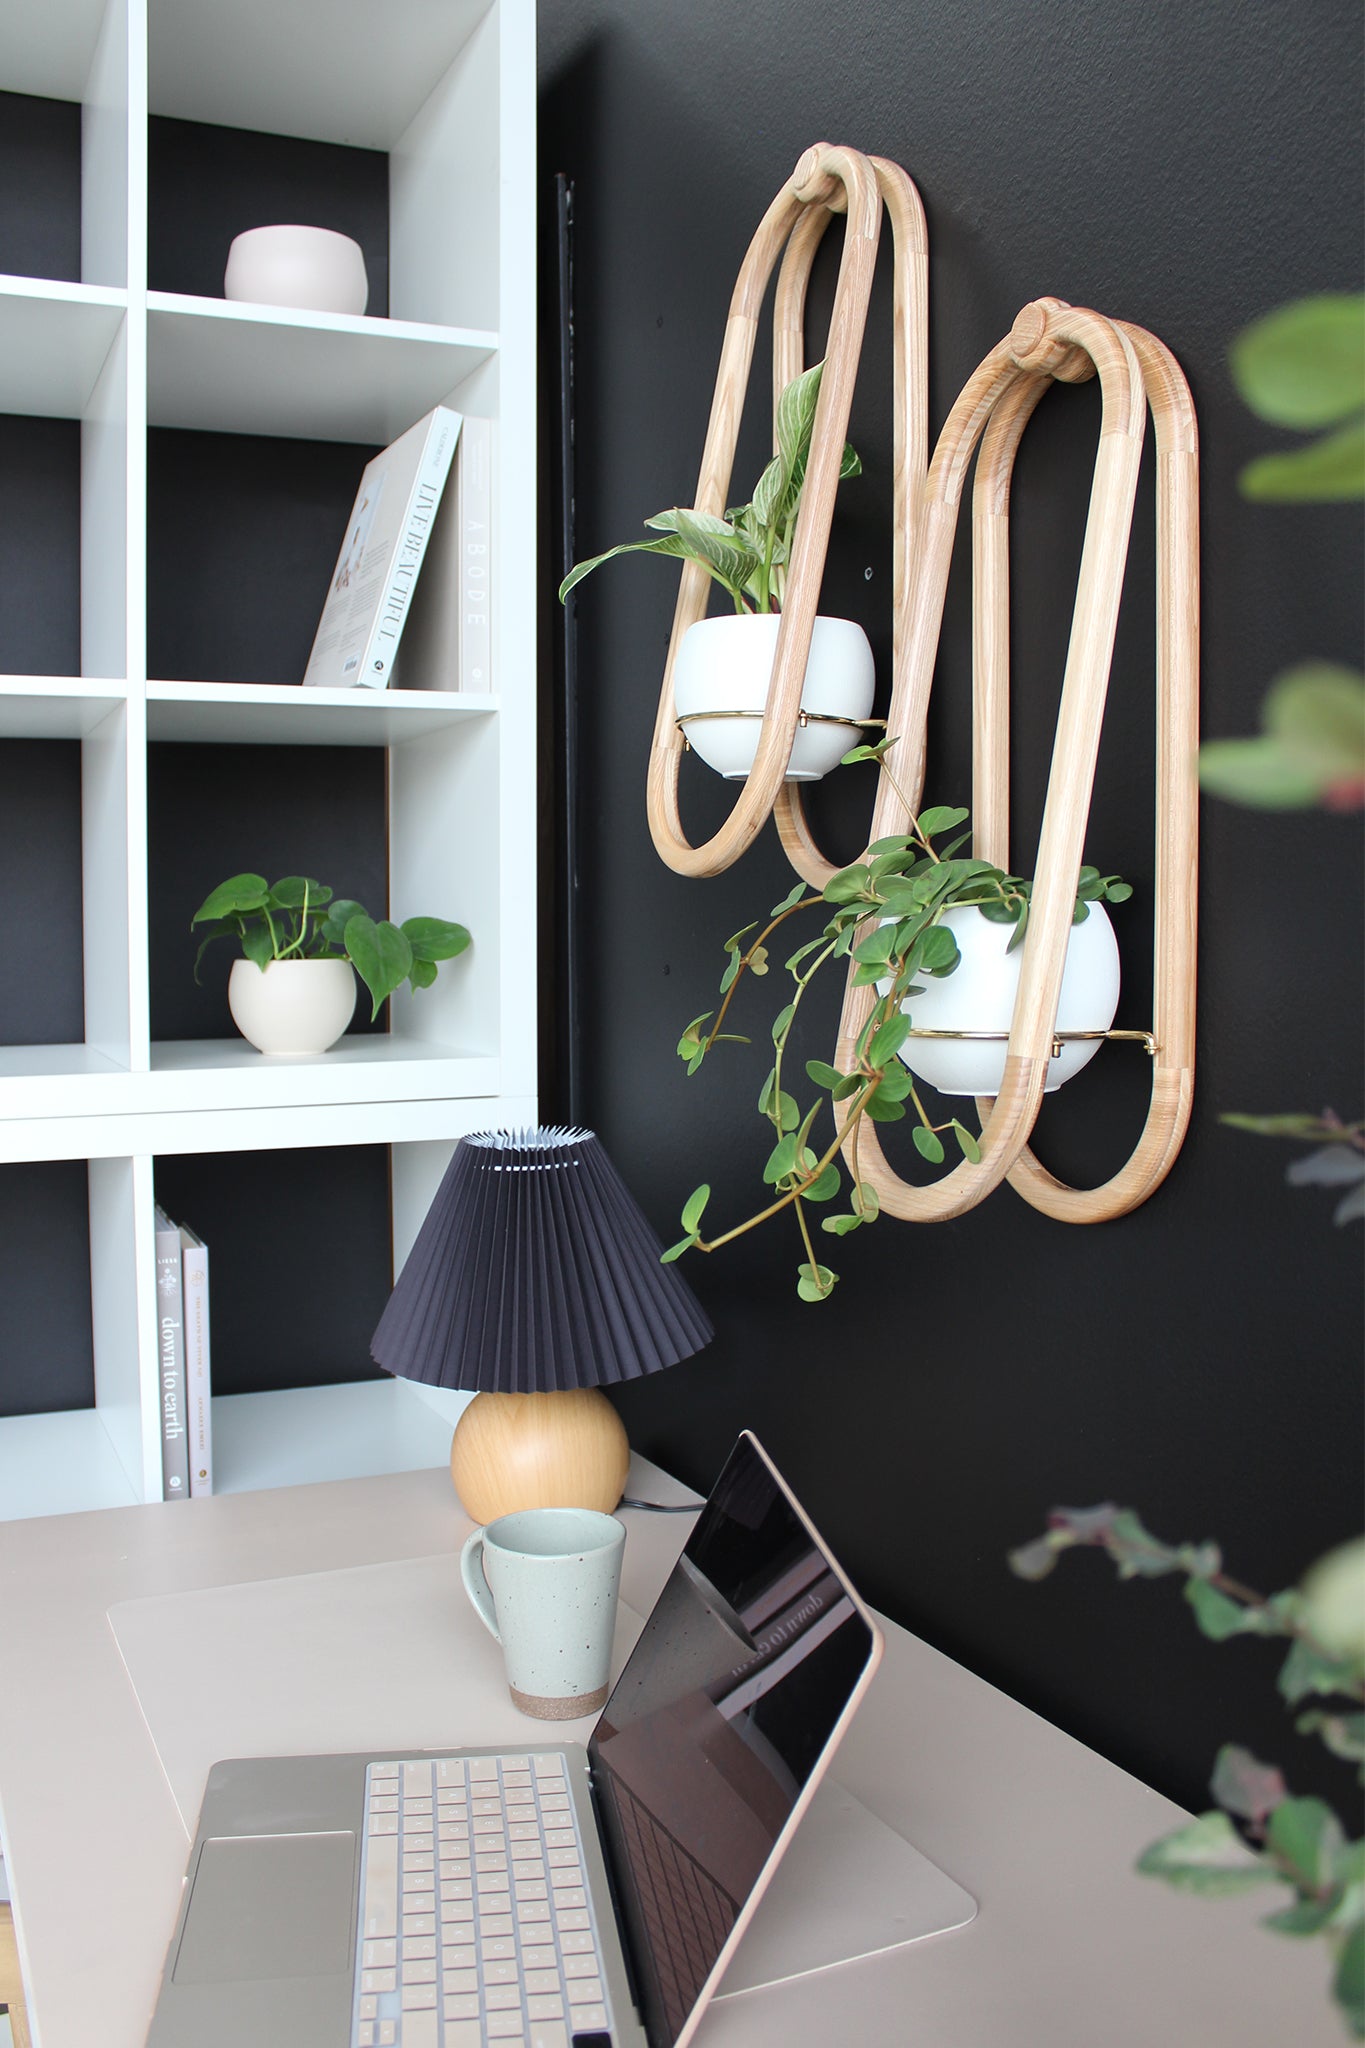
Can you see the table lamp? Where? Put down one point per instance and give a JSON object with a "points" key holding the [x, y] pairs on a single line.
{"points": [[534, 1282]]}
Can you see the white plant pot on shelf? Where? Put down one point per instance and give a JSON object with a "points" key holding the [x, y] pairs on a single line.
{"points": [[720, 685], [297, 1006], [314, 269], [979, 996]]}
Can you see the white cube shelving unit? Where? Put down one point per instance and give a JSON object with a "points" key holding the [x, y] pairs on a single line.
{"points": [[449, 93]]}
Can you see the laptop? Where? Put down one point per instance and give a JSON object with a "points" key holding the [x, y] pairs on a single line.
{"points": [[554, 1896]]}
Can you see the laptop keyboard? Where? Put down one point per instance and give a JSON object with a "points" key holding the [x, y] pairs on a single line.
{"points": [[475, 1925]]}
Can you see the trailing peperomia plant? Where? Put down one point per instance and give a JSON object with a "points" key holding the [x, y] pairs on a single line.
{"points": [[747, 551], [886, 911], [1302, 366], [299, 919], [1259, 1834]]}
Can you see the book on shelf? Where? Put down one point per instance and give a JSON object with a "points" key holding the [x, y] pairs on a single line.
{"points": [[194, 1268], [381, 554], [448, 642], [170, 1347]]}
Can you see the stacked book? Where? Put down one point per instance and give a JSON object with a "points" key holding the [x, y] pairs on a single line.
{"points": [[414, 566], [182, 1336]]}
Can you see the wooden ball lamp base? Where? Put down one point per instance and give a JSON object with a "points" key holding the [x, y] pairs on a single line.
{"points": [[558, 1450]]}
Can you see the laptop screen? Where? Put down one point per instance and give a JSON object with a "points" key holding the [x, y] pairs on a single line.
{"points": [[718, 1720]]}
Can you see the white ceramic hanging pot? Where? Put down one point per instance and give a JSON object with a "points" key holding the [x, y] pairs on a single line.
{"points": [[293, 1006], [315, 269], [720, 685], [979, 996]]}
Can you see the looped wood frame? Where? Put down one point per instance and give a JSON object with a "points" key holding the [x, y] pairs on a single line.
{"points": [[1050, 340], [827, 180]]}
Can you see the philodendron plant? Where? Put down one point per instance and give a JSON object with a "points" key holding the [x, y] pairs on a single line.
{"points": [[1259, 1834], [747, 551], [885, 911], [299, 919]]}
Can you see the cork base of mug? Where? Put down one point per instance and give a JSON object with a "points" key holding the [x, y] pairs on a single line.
{"points": [[572, 1708]]}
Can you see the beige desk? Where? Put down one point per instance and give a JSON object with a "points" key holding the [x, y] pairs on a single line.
{"points": [[1069, 1949]]}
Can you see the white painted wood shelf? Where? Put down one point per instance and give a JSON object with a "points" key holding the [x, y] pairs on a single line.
{"points": [[448, 92]]}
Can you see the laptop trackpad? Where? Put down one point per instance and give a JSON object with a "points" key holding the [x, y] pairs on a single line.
{"points": [[268, 1906]]}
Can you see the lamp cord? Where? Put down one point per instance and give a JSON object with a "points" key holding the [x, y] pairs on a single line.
{"points": [[660, 1507]]}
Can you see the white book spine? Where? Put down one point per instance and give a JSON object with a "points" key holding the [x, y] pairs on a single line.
{"points": [[198, 1381], [170, 1344], [474, 484]]}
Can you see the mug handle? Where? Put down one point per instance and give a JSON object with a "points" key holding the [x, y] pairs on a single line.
{"points": [[476, 1583]]}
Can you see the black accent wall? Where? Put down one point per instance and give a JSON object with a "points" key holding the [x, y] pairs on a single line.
{"points": [[1186, 167]]}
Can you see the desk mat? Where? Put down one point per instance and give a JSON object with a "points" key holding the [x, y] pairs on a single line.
{"points": [[392, 1656]]}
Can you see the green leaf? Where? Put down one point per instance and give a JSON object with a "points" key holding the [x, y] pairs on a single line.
{"points": [[422, 973], [1256, 773], [866, 1202], [1308, 1838], [694, 1206], [1207, 1856], [238, 893], [895, 1084], [796, 417], [675, 1251], [1306, 1916], [967, 1142], [929, 1144], [1348, 1985], [1303, 365], [380, 955], [782, 1022], [781, 1160], [848, 885], [786, 1111], [434, 938], [339, 914], [1305, 1670], [690, 1041], [670, 544], [1218, 1616], [887, 1041], [941, 818], [1330, 471], [1343, 1734], [876, 948], [883, 1109], [790, 901], [815, 1283], [292, 891], [938, 953], [1243, 1785], [825, 1186], [225, 928], [823, 1075], [257, 944], [840, 1226]]}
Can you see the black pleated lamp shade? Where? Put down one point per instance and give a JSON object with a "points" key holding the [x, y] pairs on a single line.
{"points": [[536, 1271]]}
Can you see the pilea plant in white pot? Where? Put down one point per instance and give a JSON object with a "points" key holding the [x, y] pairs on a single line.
{"points": [[912, 913], [293, 991], [721, 676]]}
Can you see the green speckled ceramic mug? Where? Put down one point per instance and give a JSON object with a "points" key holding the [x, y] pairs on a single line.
{"points": [[544, 1584]]}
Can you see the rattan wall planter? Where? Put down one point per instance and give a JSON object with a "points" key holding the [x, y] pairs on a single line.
{"points": [[1050, 342]]}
